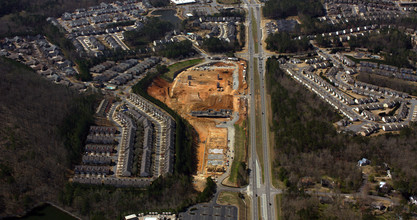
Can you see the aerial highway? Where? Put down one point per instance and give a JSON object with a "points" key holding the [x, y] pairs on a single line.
{"points": [[252, 130], [257, 188]]}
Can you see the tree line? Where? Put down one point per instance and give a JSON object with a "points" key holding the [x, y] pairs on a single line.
{"points": [[185, 159], [283, 42], [307, 145], [45, 8], [216, 45], [388, 82], [277, 9], [177, 50], [393, 44], [75, 126], [153, 29], [34, 159], [43, 135], [159, 3]]}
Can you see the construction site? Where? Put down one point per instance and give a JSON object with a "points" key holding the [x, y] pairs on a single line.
{"points": [[212, 98]]}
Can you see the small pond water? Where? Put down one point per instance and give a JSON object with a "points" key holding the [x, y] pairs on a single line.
{"points": [[45, 212]]}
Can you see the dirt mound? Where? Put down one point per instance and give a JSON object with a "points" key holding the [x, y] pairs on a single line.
{"points": [[215, 102], [159, 89]]}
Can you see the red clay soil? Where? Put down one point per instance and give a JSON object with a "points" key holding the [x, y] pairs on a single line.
{"points": [[196, 89]]}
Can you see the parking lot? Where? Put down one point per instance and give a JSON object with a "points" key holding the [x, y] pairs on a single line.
{"points": [[210, 211]]}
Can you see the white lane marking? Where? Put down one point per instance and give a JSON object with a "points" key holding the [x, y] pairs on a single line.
{"points": [[258, 175]]}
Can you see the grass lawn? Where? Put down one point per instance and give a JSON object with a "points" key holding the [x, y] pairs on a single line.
{"points": [[174, 69], [275, 181], [254, 32], [259, 208], [259, 146], [278, 200], [240, 151], [232, 198]]}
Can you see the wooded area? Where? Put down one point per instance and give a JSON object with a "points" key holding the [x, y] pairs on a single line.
{"points": [[297, 205], [57, 37], [389, 82], [216, 45], [308, 146], [34, 159], [36, 8], [44, 127], [177, 50], [159, 3], [276, 9], [154, 29], [284, 43], [185, 162], [172, 193], [393, 44]]}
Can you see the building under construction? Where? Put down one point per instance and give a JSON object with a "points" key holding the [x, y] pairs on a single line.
{"points": [[210, 113]]}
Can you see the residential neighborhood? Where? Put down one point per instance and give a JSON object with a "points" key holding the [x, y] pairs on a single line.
{"points": [[43, 57], [203, 109], [363, 104], [111, 153]]}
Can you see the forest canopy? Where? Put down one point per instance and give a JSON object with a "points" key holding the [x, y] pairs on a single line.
{"points": [[276, 9], [216, 45], [177, 50], [34, 160], [41, 119], [301, 154], [284, 43], [393, 44], [154, 29]]}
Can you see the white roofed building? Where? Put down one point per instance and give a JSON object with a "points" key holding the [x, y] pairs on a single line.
{"points": [[182, 2]]}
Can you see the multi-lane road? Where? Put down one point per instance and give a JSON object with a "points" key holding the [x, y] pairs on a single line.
{"points": [[257, 188], [260, 187]]}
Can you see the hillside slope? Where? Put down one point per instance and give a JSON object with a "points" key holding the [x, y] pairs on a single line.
{"points": [[33, 158]]}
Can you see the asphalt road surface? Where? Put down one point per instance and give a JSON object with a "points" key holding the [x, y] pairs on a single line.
{"points": [[263, 190], [252, 130]]}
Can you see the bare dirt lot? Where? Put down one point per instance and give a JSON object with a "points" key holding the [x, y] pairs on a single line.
{"points": [[214, 86]]}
